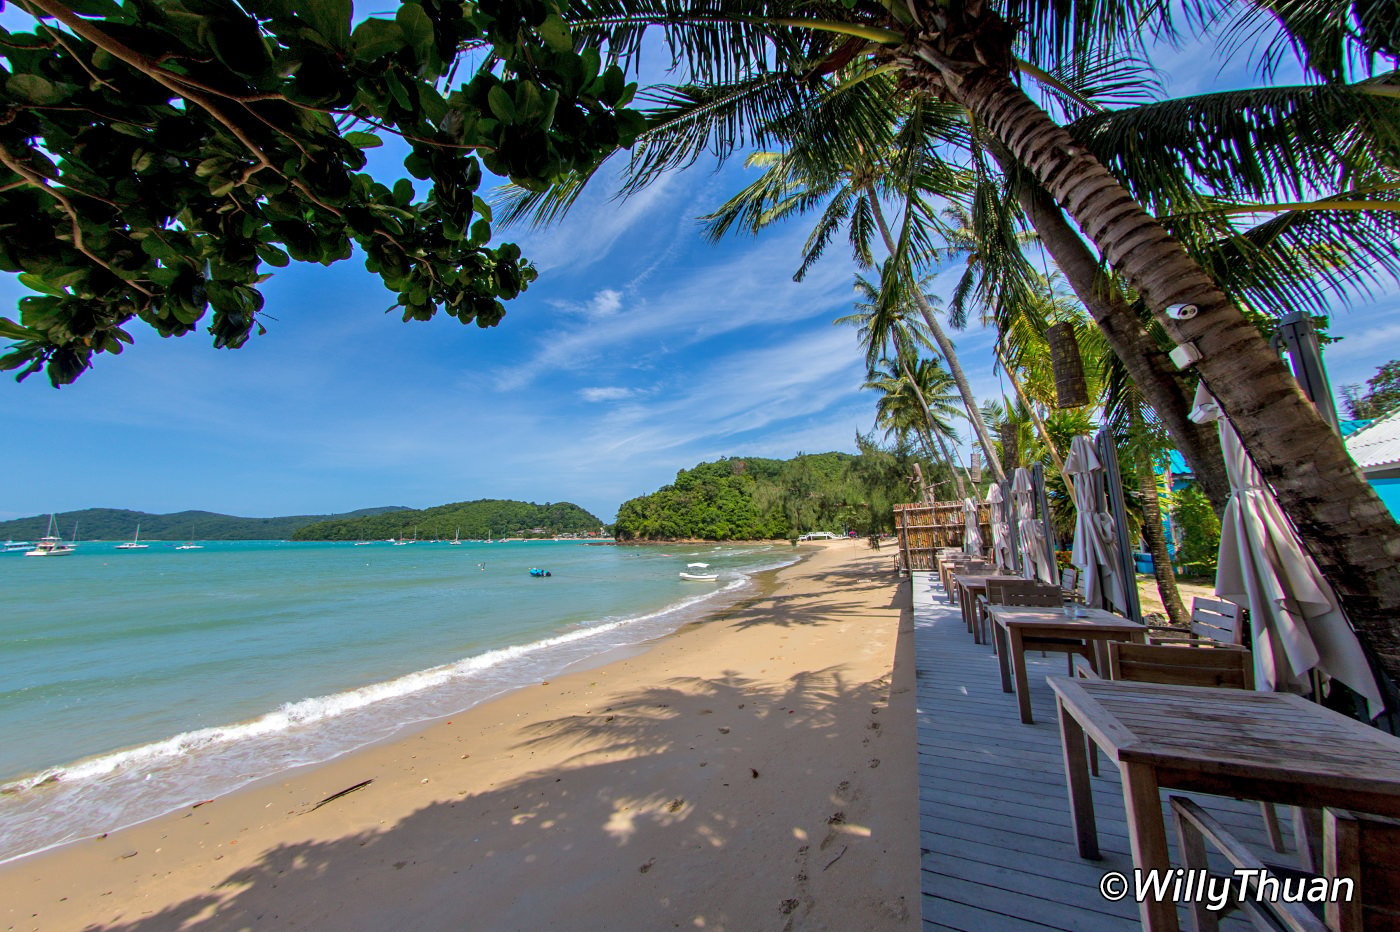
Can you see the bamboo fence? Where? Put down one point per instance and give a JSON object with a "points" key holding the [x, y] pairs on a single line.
{"points": [[924, 529]]}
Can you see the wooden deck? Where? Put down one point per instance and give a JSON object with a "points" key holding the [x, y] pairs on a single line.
{"points": [[998, 848]]}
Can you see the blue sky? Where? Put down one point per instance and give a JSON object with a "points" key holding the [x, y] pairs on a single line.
{"points": [[641, 350]]}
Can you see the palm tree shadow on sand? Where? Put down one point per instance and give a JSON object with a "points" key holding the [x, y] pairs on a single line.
{"points": [[636, 780]]}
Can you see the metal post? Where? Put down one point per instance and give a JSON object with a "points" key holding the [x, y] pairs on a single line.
{"points": [[1113, 487], [1297, 336]]}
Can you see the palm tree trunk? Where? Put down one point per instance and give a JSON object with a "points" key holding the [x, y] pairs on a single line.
{"points": [[945, 346], [928, 416], [1152, 525], [1161, 385], [1346, 527], [1035, 418]]}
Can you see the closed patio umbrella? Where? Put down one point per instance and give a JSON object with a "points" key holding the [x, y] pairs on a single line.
{"points": [[1095, 549], [1294, 616], [1001, 529], [972, 534], [1034, 560]]}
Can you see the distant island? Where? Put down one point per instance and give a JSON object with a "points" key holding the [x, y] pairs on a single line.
{"points": [[754, 498], [483, 519], [120, 524]]}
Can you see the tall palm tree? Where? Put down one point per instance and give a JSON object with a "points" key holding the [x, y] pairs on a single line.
{"points": [[918, 397], [888, 332], [849, 194], [969, 54]]}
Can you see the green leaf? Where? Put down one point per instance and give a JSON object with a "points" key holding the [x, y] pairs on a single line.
{"points": [[417, 29], [376, 37], [555, 32], [500, 104], [363, 140], [104, 8], [272, 255], [330, 18], [13, 331], [36, 283], [34, 89]]}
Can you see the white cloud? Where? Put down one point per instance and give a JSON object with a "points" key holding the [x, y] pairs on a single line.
{"points": [[607, 393]]}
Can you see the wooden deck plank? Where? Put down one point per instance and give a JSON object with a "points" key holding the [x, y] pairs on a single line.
{"points": [[998, 844]]}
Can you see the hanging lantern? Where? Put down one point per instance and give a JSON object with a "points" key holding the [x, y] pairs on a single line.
{"points": [[1010, 447], [1071, 391]]}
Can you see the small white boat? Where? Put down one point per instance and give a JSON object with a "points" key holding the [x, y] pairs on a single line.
{"points": [[15, 546], [696, 573], [456, 540], [363, 543], [191, 545], [51, 545], [135, 542]]}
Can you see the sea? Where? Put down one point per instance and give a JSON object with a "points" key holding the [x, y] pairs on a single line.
{"points": [[137, 682]]}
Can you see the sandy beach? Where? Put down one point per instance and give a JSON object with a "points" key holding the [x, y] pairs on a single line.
{"points": [[754, 770]]}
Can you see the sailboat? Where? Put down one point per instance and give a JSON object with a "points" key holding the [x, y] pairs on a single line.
{"points": [[135, 542], [191, 545], [456, 540], [51, 545]]}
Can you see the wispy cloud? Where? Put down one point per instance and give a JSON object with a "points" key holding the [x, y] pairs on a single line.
{"points": [[606, 393]]}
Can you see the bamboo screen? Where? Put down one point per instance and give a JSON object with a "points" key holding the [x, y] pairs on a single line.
{"points": [[925, 529]]}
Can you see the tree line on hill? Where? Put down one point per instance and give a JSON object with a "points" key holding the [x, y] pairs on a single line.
{"points": [[755, 498], [486, 518], [120, 523]]}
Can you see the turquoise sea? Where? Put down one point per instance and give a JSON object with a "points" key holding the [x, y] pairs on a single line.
{"points": [[136, 682]]}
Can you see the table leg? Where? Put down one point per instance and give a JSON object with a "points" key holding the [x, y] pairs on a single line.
{"points": [[1100, 656], [1081, 797], [1147, 834], [999, 636], [1018, 669]]}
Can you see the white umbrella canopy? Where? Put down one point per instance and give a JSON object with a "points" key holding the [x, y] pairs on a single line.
{"points": [[1095, 549], [972, 534], [1295, 619], [1034, 561], [1001, 529]]}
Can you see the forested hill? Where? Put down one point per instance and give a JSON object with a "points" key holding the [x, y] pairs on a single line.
{"points": [[119, 524], [752, 498], [481, 519]]}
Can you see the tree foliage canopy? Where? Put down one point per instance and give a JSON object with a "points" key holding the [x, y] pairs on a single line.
{"points": [[157, 155], [753, 498], [1382, 393], [480, 519]]}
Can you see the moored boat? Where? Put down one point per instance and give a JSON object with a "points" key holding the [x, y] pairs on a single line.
{"points": [[135, 542], [51, 545]]}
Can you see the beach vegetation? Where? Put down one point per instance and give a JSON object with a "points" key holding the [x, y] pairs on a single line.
{"points": [[756, 498], [1382, 393]]}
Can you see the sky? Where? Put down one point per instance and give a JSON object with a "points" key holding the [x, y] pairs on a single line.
{"points": [[642, 349]]}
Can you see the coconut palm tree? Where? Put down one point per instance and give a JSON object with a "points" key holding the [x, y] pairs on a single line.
{"points": [[969, 54], [918, 397], [888, 331]]}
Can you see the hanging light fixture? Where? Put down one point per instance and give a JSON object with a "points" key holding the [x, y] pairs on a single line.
{"points": [[1071, 389]]}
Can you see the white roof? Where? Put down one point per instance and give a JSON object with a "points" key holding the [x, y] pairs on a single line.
{"points": [[1377, 444]]}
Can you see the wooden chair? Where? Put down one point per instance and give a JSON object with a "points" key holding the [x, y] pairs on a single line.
{"points": [[1069, 583], [968, 565], [1212, 620], [1362, 849], [1032, 592]]}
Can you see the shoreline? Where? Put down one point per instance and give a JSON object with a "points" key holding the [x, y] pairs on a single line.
{"points": [[576, 777]]}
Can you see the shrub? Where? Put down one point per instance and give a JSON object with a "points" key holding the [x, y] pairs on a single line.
{"points": [[1200, 531]]}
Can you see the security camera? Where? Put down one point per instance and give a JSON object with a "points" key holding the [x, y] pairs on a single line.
{"points": [[1181, 311]]}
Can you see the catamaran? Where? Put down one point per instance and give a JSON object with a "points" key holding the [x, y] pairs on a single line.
{"points": [[51, 545], [135, 542]]}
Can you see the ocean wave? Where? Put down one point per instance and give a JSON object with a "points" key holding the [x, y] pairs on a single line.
{"points": [[124, 787]]}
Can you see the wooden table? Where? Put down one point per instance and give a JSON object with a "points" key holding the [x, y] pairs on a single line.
{"points": [[969, 588], [1275, 747], [1012, 624]]}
